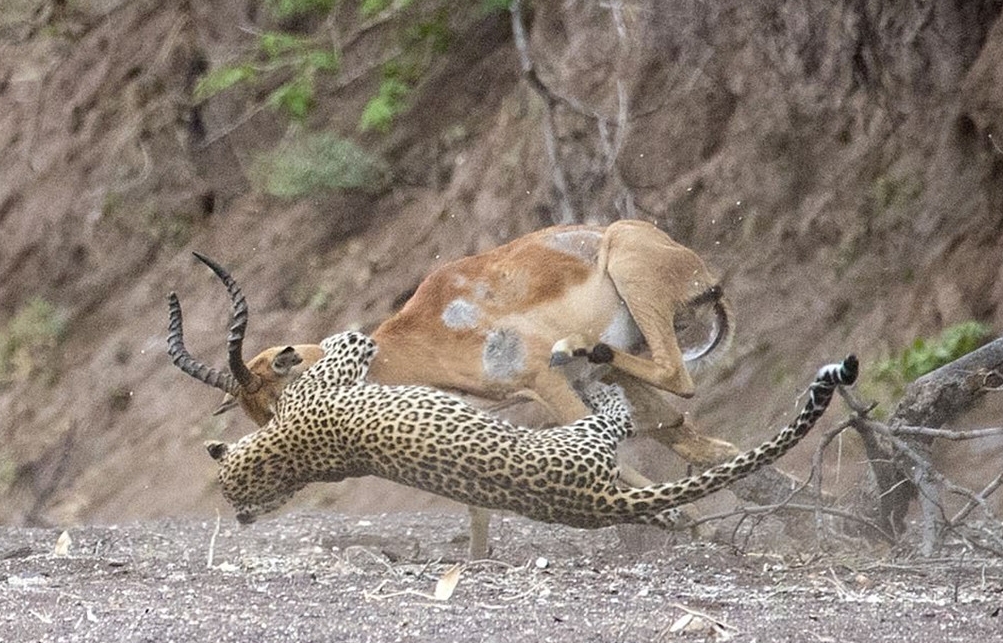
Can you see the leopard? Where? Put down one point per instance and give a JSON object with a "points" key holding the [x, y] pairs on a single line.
{"points": [[331, 424]]}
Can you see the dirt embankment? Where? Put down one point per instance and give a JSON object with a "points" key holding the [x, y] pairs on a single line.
{"points": [[839, 163]]}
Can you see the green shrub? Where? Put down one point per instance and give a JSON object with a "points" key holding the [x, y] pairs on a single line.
{"points": [[298, 58], [313, 163], [423, 42], [29, 338], [381, 109], [420, 38], [926, 355], [292, 8], [294, 96], [222, 79]]}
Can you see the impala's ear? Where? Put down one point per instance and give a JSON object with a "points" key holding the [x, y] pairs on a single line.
{"points": [[285, 360], [216, 449], [229, 402]]}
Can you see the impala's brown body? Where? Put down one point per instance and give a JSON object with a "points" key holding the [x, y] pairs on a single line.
{"points": [[487, 326]]}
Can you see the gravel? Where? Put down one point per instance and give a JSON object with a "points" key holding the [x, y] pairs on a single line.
{"points": [[401, 577]]}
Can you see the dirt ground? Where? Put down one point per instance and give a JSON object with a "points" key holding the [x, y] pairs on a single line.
{"points": [[337, 577]]}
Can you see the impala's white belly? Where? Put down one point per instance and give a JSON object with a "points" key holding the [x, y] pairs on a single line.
{"points": [[622, 332]]}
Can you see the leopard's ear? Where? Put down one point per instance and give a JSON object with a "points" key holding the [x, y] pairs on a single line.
{"points": [[217, 450]]}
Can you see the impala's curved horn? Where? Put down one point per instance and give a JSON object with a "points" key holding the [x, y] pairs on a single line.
{"points": [[722, 322], [235, 340], [183, 360], [724, 329]]}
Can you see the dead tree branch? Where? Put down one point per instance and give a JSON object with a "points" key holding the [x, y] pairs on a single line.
{"points": [[746, 512], [979, 500], [899, 451], [567, 215], [612, 130], [948, 434], [816, 470]]}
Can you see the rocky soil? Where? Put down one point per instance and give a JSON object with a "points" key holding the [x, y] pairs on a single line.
{"points": [[392, 577]]}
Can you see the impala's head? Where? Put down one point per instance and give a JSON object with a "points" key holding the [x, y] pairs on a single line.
{"points": [[256, 385]]}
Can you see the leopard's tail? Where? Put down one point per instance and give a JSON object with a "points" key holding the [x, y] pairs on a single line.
{"points": [[657, 504]]}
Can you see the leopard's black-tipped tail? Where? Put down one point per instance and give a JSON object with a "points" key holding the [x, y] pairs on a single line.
{"points": [[656, 504]]}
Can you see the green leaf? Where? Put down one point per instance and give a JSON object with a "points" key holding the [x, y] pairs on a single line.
{"points": [[377, 115], [381, 110], [293, 8], [434, 32], [276, 43], [295, 96], [394, 91], [322, 60], [370, 8], [926, 355], [221, 79]]}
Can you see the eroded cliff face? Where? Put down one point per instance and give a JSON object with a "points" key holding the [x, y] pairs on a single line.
{"points": [[840, 164]]}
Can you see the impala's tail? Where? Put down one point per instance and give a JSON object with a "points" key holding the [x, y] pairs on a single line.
{"points": [[656, 504]]}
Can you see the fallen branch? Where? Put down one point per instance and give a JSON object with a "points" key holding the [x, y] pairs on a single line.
{"points": [[942, 395], [947, 434], [899, 450], [816, 467], [745, 512], [979, 500]]}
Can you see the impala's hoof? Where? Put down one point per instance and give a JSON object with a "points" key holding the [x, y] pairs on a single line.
{"points": [[600, 354], [568, 349]]}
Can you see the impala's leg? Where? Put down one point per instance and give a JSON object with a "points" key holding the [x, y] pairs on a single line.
{"points": [[525, 408], [654, 276], [567, 350], [480, 521], [556, 392], [654, 416]]}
